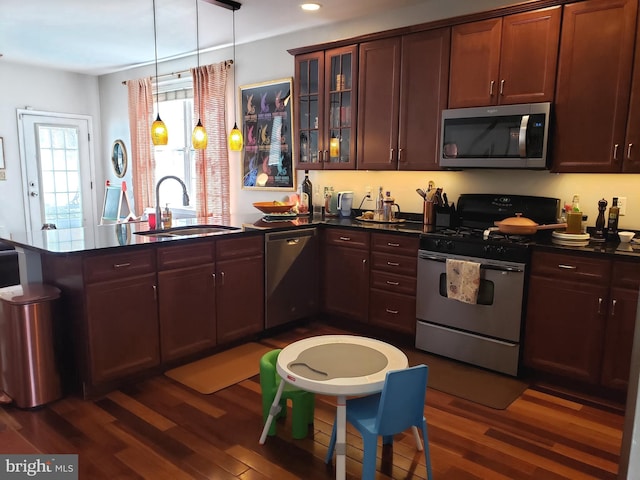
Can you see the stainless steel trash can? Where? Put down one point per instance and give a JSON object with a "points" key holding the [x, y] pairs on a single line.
{"points": [[28, 366]]}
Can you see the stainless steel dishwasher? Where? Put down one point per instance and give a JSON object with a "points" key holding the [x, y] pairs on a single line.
{"points": [[291, 276]]}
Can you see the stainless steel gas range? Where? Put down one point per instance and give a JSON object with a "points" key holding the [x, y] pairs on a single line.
{"points": [[488, 332]]}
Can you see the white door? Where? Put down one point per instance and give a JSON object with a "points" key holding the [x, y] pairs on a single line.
{"points": [[57, 172]]}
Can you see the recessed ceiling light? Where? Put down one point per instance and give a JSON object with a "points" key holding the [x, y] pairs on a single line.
{"points": [[310, 7]]}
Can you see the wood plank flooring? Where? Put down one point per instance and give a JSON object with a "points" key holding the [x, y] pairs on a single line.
{"points": [[158, 429]]}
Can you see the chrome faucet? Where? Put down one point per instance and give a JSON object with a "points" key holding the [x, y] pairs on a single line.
{"points": [[185, 198]]}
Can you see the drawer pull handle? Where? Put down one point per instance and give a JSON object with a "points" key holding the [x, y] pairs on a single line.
{"points": [[389, 244], [393, 312], [395, 284], [613, 307], [345, 239], [393, 264], [567, 267], [122, 265]]}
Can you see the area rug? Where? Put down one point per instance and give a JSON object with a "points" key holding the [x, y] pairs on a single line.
{"points": [[471, 383], [220, 370]]}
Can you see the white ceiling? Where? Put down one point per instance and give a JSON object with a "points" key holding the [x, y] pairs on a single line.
{"points": [[102, 36]]}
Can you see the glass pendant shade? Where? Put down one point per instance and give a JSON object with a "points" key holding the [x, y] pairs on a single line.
{"points": [[235, 139], [159, 133], [199, 137]]}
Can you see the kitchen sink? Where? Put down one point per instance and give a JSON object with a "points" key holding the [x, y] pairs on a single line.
{"points": [[188, 230]]}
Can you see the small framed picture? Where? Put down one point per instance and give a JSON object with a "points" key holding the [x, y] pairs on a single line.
{"points": [[2, 165]]}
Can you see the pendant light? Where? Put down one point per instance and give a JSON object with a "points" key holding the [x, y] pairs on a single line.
{"points": [[199, 135], [235, 136], [159, 133]]}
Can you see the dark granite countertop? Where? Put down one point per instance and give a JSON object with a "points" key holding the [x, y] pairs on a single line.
{"points": [[69, 241]]}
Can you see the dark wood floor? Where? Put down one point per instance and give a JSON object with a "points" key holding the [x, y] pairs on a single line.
{"points": [[158, 429]]}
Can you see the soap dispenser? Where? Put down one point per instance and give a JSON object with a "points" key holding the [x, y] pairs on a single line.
{"points": [[166, 217]]}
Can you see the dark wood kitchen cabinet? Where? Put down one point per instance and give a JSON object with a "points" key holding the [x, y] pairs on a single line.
{"points": [[593, 88], [505, 60], [403, 84], [580, 317], [325, 105], [392, 299], [122, 335], [619, 332], [239, 287], [345, 276], [186, 299]]}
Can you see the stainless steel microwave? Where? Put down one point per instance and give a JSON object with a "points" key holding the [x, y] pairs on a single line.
{"points": [[503, 136]]}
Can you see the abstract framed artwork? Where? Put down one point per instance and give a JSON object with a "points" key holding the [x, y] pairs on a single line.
{"points": [[267, 154]]}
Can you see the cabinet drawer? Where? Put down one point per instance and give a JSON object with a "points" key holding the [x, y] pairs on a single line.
{"points": [[393, 283], [393, 311], [347, 238], [238, 247], [571, 267], [626, 274], [101, 268], [398, 244], [185, 255], [398, 264]]}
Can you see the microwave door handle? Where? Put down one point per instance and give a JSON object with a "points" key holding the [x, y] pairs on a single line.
{"points": [[522, 138]]}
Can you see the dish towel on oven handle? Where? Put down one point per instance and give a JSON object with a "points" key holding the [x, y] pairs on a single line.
{"points": [[463, 280]]}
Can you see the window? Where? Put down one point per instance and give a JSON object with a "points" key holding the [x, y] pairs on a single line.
{"points": [[177, 157]]}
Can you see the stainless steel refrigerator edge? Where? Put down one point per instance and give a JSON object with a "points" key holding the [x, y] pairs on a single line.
{"points": [[629, 467], [291, 277]]}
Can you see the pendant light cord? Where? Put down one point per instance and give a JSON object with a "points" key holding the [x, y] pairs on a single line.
{"points": [[234, 64], [198, 57], [155, 43]]}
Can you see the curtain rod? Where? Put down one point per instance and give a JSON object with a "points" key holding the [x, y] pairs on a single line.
{"points": [[179, 74]]}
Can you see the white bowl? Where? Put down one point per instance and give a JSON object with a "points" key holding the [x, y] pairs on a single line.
{"points": [[625, 237]]}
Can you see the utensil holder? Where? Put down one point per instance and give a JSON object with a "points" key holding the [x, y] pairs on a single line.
{"points": [[428, 213]]}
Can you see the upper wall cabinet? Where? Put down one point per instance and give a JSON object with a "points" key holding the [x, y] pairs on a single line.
{"points": [[402, 90], [325, 108], [593, 88], [505, 60]]}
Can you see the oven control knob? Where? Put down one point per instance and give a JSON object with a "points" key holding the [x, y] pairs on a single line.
{"points": [[487, 249], [449, 245], [501, 250]]}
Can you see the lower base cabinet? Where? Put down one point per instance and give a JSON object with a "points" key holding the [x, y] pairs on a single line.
{"points": [[239, 287], [581, 317], [346, 273]]}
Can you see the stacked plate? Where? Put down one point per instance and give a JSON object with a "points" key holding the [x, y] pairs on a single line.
{"points": [[570, 239]]}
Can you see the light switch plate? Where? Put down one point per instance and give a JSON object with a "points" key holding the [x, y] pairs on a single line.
{"points": [[3, 174], [622, 205]]}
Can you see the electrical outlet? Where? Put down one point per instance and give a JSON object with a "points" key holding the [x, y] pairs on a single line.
{"points": [[3, 175], [622, 205], [367, 191]]}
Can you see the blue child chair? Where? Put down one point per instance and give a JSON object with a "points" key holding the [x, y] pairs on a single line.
{"points": [[302, 403], [399, 406]]}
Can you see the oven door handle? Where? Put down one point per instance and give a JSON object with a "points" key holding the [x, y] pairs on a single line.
{"points": [[482, 265]]}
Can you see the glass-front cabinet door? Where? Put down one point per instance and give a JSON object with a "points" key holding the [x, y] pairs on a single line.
{"points": [[325, 109], [309, 87], [340, 108]]}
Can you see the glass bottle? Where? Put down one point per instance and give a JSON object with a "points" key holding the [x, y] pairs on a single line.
{"points": [[307, 193], [379, 211], [612, 224]]}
